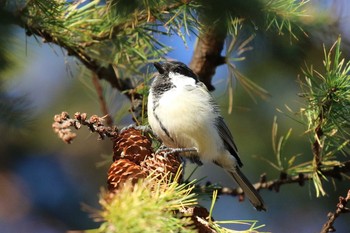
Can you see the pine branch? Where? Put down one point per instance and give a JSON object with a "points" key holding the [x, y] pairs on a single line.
{"points": [[341, 209], [147, 16], [207, 55], [274, 185], [99, 39], [286, 16], [326, 113], [107, 73], [210, 43], [63, 123]]}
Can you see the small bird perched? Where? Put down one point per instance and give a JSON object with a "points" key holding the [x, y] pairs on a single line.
{"points": [[183, 114]]}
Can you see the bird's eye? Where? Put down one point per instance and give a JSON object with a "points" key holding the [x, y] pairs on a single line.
{"points": [[177, 70]]}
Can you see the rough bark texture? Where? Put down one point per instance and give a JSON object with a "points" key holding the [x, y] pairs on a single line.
{"points": [[207, 55]]}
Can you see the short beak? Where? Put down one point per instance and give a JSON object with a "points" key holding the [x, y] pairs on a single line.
{"points": [[159, 67]]}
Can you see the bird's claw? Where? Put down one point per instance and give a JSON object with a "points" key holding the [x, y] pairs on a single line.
{"points": [[167, 150], [143, 128]]}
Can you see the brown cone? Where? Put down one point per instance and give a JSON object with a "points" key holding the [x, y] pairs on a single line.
{"points": [[132, 145], [122, 171], [160, 166], [133, 160]]}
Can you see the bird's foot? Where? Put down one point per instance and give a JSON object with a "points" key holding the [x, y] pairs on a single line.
{"points": [[179, 151], [143, 128]]}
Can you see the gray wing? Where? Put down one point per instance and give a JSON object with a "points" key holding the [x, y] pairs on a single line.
{"points": [[224, 132], [227, 138]]}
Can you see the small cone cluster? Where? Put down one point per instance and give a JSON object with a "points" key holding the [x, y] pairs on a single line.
{"points": [[133, 159]]}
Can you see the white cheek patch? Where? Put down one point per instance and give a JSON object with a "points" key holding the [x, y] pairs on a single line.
{"points": [[180, 80]]}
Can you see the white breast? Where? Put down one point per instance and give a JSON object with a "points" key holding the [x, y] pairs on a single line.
{"points": [[186, 113]]}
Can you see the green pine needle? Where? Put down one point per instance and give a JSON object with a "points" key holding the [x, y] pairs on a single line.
{"points": [[148, 206], [326, 116], [153, 204], [285, 16], [327, 110]]}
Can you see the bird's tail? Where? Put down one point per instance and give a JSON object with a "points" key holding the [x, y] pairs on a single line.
{"points": [[248, 188]]}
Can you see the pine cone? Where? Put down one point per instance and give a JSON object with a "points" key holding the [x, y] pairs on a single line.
{"points": [[159, 165], [122, 171], [132, 145]]}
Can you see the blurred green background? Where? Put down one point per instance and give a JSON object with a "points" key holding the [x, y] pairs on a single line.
{"points": [[44, 182]]}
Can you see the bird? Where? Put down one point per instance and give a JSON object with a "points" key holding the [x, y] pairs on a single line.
{"points": [[183, 114]]}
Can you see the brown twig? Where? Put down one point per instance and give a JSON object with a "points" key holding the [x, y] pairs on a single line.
{"points": [[316, 146], [63, 123], [274, 185], [341, 209]]}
